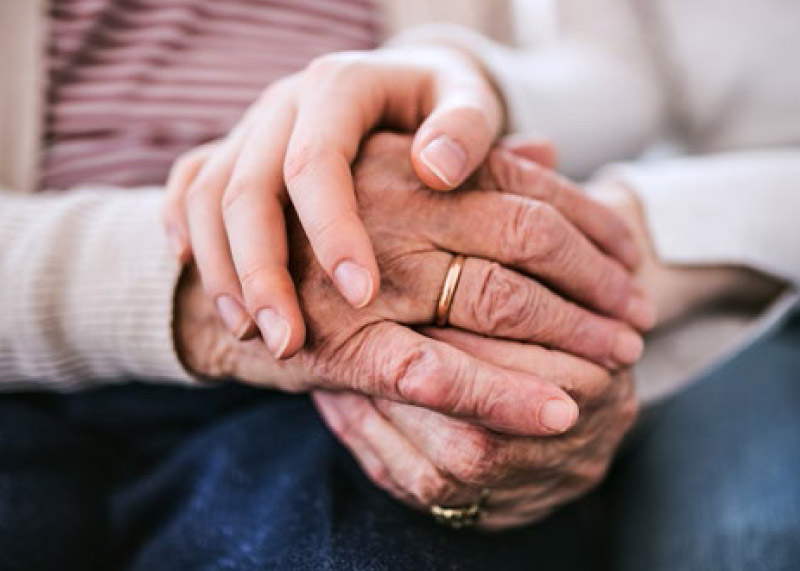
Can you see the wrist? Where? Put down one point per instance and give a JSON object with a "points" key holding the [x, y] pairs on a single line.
{"points": [[678, 290]]}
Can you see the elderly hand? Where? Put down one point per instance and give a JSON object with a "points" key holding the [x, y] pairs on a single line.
{"points": [[297, 143], [424, 458], [414, 231]]}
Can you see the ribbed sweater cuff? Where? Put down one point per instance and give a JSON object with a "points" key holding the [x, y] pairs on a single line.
{"points": [[87, 291]]}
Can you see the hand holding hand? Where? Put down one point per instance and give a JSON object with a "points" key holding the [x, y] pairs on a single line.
{"points": [[372, 351], [297, 143]]}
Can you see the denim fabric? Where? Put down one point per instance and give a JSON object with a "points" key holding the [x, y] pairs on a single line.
{"points": [[711, 479], [149, 478]]}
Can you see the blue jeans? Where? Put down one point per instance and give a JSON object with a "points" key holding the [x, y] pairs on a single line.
{"points": [[148, 478]]}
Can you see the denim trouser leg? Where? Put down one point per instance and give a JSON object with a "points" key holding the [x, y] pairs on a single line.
{"points": [[711, 480], [269, 488], [150, 478]]}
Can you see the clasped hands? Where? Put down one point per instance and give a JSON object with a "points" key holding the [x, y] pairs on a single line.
{"points": [[524, 393]]}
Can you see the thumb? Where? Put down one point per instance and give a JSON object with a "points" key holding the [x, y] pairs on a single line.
{"points": [[457, 135], [536, 149]]}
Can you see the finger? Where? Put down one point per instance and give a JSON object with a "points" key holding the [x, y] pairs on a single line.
{"points": [[331, 121], [209, 242], [345, 414], [512, 173], [397, 363], [253, 214], [464, 121], [388, 458], [481, 458], [537, 149], [583, 381], [181, 177], [496, 301], [534, 237]]}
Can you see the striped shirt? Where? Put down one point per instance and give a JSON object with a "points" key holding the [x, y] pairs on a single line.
{"points": [[134, 83]]}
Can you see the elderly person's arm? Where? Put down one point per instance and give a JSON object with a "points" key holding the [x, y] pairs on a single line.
{"points": [[723, 259]]}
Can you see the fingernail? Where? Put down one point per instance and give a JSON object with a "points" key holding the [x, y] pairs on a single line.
{"points": [[627, 348], [354, 282], [641, 312], [275, 331], [233, 315], [446, 158], [558, 415]]}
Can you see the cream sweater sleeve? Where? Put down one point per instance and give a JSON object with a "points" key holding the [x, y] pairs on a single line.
{"points": [[736, 208], [739, 208], [86, 290]]}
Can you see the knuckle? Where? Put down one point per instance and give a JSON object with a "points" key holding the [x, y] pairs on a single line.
{"points": [[380, 475], [195, 195], [612, 285], [349, 427], [585, 334], [278, 89], [501, 304], [335, 66], [235, 190], [526, 176], [257, 284], [190, 160], [476, 458], [299, 161], [629, 411], [535, 233], [325, 234], [428, 486], [588, 474], [417, 373]]}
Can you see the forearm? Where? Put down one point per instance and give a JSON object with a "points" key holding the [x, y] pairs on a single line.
{"points": [[87, 288]]}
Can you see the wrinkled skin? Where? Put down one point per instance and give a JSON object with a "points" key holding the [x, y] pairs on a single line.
{"points": [[531, 228], [424, 458]]}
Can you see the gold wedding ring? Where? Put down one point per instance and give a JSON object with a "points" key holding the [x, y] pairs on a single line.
{"points": [[461, 517], [449, 290]]}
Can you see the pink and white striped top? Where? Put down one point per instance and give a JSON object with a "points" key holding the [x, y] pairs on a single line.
{"points": [[134, 83]]}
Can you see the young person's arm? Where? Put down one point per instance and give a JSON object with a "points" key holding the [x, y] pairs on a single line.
{"points": [[87, 284]]}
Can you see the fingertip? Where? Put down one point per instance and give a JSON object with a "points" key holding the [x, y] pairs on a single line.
{"points": [[630, 254], [275, 331], [444, 163], [627, 348], [356, 283], [297, 339], [557, 415], [641, 312], [282, 329]]}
